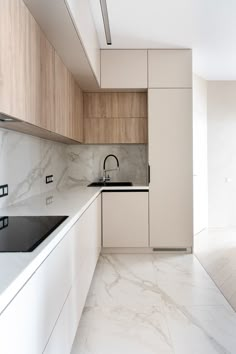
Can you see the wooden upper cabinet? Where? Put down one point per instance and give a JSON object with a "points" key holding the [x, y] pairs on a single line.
{"points": [[115, 105], [13, 39], [68, 103], [47, 87], [78, 119], [115, 131], [35, 85], [115, 118], [75, 110], [62, 98], [124, 69], [32, 75], [19, 62], [169, 68]]}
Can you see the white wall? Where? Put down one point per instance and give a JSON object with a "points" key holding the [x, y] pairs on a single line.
{"points": [[200, 153], [222, 153]]}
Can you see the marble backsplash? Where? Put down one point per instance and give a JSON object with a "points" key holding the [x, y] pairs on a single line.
{"points": [[26, 160], [24, 163], [85, 163]]}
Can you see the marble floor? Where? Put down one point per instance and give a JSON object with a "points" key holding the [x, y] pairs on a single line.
{"points": [[154, 304], [216, 251]]}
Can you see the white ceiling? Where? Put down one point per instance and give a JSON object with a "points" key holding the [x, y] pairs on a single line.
{"points": [[206, 26]]}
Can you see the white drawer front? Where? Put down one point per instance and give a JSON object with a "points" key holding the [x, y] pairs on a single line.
{"points": [[27, 322]]}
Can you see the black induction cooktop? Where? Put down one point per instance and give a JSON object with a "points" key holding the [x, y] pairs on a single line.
{"points": [[25, 233]]}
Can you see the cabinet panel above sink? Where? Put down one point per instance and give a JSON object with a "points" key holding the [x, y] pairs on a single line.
{"points": [[115, 118]]}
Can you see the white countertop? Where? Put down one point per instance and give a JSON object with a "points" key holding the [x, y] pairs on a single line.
{"points": [[17, 268]]}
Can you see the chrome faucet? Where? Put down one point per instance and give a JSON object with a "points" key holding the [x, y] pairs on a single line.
{"points": [[106, 177]]}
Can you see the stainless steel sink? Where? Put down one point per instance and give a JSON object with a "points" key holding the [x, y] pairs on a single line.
{"points": [[110, 184]]}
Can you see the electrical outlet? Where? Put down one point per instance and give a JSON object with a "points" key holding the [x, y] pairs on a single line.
{"points": [[3, 222], [3, 190], [49, 179], [49, 200]]}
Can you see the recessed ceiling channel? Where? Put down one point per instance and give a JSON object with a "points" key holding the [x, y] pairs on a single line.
{"points": [[105, 17]]}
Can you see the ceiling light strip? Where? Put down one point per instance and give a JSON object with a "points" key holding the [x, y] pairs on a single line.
{"points": [[103, 4]]}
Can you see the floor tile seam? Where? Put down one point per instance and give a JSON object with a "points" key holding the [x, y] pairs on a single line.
{"points": [[220, 291]]}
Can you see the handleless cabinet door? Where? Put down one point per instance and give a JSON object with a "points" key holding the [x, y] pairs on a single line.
{"points": [[124, 69], [115, 117], [44, 314], [19, 62], [170, 68], [170, 158], [16, 33], [32, 74], [68, 103], [27, 322], [62, 98], [85, 250], [47, 63], [78, 121], [125, 219]]}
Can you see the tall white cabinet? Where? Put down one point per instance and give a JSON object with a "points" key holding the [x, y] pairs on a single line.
{"points": [[170, 150], [169, 68]]}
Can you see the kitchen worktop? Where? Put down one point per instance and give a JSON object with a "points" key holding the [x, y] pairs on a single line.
{"points": [[17, 268]]}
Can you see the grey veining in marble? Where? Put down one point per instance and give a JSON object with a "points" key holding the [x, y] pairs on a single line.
{"points": [[146, 304], [86, 162], [24, 163]]}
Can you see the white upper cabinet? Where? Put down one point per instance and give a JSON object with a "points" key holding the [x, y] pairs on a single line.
{"points": [[124, 69], [170, 68]]}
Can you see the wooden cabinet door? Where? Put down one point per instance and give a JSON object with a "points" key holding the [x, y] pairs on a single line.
{"points": [[35, 85], [68, 103], [13, 32], [124, 69], [47, 84], [32, 73], [169, 68], [62, 99], [78, 117], [125, 219], [170, 159], [19, 62], [115, 118]]}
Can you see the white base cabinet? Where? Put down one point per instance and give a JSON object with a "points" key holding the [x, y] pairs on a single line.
{"points": [[125, 219], [44, 315], [86, 250]]}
